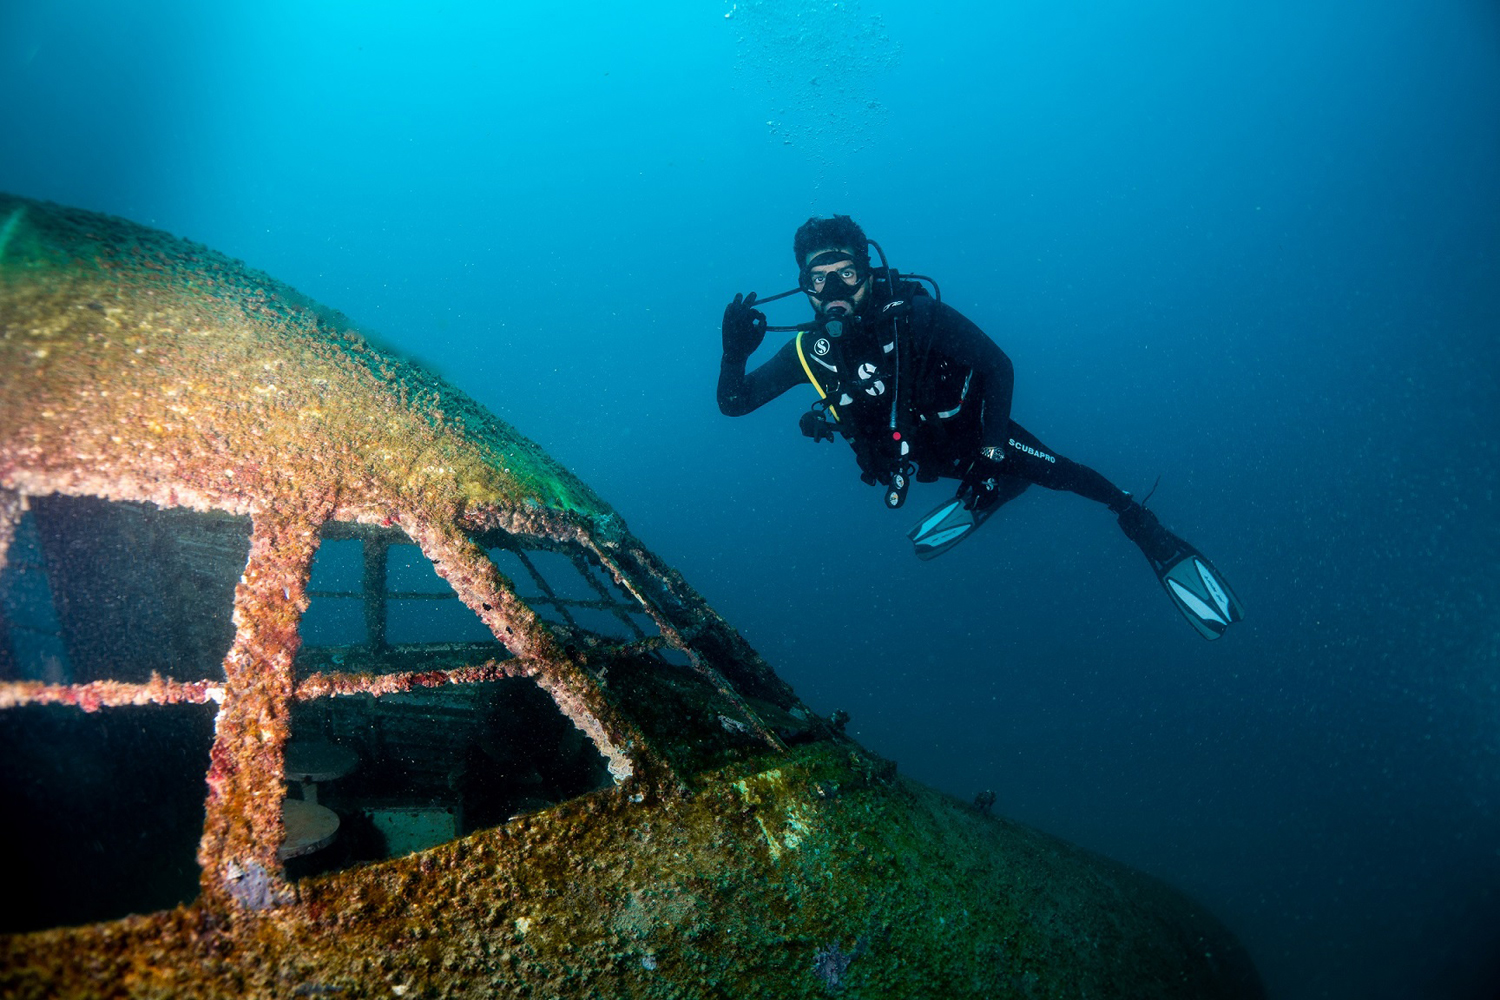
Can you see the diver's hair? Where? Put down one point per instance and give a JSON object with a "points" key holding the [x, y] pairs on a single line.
{"points": [[837, 233]]}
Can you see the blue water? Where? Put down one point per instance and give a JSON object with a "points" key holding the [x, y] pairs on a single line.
{"points": [[1251, 247]]}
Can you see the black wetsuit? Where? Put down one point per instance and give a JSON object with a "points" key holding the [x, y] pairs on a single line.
{"points": [[952, 399]]}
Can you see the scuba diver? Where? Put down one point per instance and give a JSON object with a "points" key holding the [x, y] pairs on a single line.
{"points": [[920, 392]]}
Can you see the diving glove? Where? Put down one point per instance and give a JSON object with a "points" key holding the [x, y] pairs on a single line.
{"points": [[744, 327], [980, 488], [816, 426]]}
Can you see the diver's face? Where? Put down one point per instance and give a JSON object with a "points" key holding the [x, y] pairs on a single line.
{"points": [[836, 286]]}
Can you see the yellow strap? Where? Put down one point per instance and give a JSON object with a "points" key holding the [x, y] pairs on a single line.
{"points": [[802, 357]]}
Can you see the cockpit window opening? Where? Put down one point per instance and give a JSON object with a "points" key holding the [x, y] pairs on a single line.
{"points": [[375, 777], [95, 590], [104, 810], [31, 643], [377, 605], [565, 589]]}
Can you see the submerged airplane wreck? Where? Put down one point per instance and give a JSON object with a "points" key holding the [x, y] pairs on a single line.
{"points": [[318, 680]]}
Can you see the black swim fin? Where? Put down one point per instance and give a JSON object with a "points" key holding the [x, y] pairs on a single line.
{"points": [[1198, 589], [943, 527]]}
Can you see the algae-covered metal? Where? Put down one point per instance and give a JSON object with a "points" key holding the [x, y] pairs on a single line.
{"points": [[183, 435]]}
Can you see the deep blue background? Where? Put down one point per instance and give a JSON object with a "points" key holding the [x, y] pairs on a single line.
{"points": [[1249, 246]]}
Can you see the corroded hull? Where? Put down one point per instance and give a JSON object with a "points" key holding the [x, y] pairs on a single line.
{"points": [[815, 875]]}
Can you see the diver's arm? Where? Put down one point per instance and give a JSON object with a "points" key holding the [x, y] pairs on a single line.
{"points": [[740, 392], [954, 335]]}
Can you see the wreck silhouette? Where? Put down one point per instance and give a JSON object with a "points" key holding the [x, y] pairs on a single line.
{"points": [[318, 679]]}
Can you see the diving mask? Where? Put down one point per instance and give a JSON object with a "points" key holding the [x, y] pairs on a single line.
{"points": [[834, 284]]}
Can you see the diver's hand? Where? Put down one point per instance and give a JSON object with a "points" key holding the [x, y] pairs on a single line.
{"points": [[744, 327], [981, 484]]}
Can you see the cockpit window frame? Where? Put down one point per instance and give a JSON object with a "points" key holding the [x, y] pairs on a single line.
{"points": [[242, 826]]}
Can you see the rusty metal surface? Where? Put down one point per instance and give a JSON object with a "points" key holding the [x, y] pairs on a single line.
{"points": [[818, 875]]}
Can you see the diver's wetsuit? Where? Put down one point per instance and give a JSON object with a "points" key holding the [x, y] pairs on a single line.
{"points": [[955, 394]]}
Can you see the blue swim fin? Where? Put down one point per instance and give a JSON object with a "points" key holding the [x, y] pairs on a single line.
{"points": [[1198, 590], [943, 527]]}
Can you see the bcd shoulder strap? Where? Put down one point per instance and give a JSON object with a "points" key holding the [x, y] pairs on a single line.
{"points": [[811, 376]]}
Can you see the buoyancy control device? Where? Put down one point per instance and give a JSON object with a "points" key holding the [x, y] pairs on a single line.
{"points": [[855, 363]]}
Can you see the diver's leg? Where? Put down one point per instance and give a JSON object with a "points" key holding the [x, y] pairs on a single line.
{"points": [[1027, 458], [1008, 489], [1197, 589]]}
